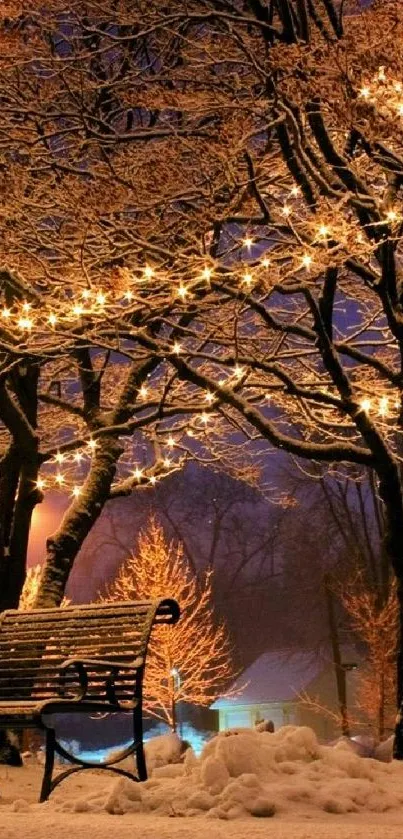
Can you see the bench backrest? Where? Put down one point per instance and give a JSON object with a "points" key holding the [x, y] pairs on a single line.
{"points": [[34, 644]]}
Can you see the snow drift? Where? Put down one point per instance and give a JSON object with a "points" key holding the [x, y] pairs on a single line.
{"points": [[244, 772]]}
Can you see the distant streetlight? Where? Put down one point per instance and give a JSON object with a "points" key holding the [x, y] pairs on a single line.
{"points": [[176, 684]]}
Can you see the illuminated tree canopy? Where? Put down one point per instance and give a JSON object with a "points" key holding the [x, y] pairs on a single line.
{"points": [[203, 225]]}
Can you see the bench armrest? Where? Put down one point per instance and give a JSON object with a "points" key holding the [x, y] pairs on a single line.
{"points": [[112, 669], [82, 677], [105, 664]]}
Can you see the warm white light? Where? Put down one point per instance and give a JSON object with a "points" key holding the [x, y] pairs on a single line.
{"points": [[238, 371], [86, 294], [25, 323], [59, 478], [6, 313], [209, 397], [306, 261], [148, 272], [78, 310], [153, 480], [59, 457], [295, 191], [204, 418], [206, 274], [76, 491], [143, 391], [323, 230], [247, 279], [128, 294], [248, 242], [365, 405], [392, 216], [78, 457], [101, 298], [286, 210], [52, 319], [167, 462], [400, 109], [383, 405], [138, 473], [41, 483], [92, 444], [365, 92], [171, 442], [177, 348], [26, 307], [182, 292], [265, 262]]}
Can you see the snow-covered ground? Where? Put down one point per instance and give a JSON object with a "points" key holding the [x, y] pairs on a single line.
{"points": [[246, 782]]}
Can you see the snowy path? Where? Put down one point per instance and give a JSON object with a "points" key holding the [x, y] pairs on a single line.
{"points": [[45, 825]]}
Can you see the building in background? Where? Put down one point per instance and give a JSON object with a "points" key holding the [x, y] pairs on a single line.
{"points": [[273, 685]]}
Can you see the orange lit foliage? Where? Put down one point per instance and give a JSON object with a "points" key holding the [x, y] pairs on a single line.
{"points": [[190, 662], [376, 624]]}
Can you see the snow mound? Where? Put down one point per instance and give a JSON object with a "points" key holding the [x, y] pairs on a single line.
{"points": [[245, 772]]}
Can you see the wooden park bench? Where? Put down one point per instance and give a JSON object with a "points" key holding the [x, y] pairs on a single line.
{"points": [[78, 659]]}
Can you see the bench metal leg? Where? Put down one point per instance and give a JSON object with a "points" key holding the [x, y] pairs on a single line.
{"points": [[46, 788], [138, 739]]}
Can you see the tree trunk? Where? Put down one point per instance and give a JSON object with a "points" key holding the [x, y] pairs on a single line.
{"points": [[63, 546], [339, 670]]}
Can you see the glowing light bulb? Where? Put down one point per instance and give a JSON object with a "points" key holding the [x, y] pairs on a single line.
{"points": [[167, 462], [383, 406], [238, 371], [25, 323], [177, 348], [171, 441], [101, 298], [52, 319], [153, 480], [204, 418], [41, 483], [76, 491], [323, 231], [128, 294], [143, 391], [209, 397], [92, 444], [148, 272], [78, 457], [391, 216], [6, 313], [365, 405], [206, 274], [78, 310], [182, 292], [86, 294], [247, 279], [286, 211], [306, 261], [26, 307], [248, 242], [59, 457], [138, 473], [365, 92], [265, 262], [59, 479], [295, 191]]}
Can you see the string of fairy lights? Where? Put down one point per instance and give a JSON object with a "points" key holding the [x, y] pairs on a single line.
{"points": [[313, 244]]}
